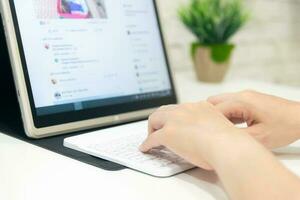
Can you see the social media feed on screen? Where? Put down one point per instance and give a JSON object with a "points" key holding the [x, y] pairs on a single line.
{"points": [[86, 51]]}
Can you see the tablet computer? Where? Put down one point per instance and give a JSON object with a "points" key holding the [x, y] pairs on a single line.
{"points": [[81, 64]]}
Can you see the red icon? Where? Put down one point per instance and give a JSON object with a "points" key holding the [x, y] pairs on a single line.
{"points": [[47, 46]]}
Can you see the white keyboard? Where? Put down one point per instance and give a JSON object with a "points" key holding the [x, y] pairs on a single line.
{"points": [[120, 145]]}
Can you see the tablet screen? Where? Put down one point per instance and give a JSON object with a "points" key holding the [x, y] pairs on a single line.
{"points": [[85, 54]]}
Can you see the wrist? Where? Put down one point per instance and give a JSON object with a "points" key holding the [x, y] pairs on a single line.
{"points": [[298, 123], [229, 148], [295, 120]]}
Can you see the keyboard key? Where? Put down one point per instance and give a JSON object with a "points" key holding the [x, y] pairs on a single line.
{"points": [[124, 149]]}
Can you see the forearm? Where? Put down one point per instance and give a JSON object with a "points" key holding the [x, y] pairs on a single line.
{"points": [[294, 121], [248, 171]]}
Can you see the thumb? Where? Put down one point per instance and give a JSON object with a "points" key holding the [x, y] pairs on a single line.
{"points": [[256, 130], [153, 140], [260, 133], [236, 111]]}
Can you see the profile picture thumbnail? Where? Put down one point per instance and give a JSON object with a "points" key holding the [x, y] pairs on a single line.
{"points": [[70, 9]]}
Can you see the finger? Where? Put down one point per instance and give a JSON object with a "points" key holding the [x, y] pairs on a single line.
{"points": [[217, 99], [237, 120], [154, 140], [236, 112], [159, 118], [259, 133], [256, 130]]}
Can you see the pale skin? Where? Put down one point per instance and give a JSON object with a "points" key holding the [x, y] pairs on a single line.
{"points": [[204, 134]]}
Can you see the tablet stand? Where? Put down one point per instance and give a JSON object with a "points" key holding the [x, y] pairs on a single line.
{"points": [[11, 123]]}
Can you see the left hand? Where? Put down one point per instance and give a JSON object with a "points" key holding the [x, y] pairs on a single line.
{"points": [[273, 121]]}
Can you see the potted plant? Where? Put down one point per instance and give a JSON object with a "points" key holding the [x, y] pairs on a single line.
{"points": [[213, 22]]}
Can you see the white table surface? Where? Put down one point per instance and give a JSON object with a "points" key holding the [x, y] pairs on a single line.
{"points": [[28, 172]]}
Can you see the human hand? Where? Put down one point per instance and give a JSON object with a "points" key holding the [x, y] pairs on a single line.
{"points": [[192, 131], [273, 121]]}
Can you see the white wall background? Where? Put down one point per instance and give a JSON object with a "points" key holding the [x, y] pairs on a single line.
{"points": [[268, 48]]}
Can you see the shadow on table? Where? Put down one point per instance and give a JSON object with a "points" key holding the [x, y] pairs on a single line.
{"points": [[288, 153], [207, 181]]}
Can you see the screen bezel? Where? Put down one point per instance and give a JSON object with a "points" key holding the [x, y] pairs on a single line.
{"points": [[94, 113]]}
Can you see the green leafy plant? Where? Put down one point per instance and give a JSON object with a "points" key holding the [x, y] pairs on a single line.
{"points": [[214, 22]]}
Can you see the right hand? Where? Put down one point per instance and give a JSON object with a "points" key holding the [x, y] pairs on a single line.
{"points": [[273, 121], [194, 131]]}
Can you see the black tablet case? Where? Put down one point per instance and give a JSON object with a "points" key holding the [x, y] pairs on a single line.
{"points": [[11, 123]]}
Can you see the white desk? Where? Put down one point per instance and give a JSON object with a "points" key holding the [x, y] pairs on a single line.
{"points": [[32, 173]]}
